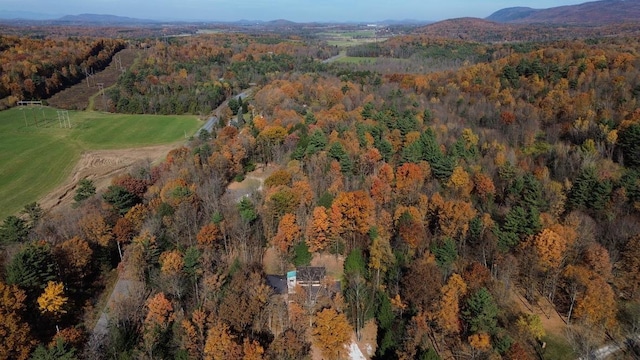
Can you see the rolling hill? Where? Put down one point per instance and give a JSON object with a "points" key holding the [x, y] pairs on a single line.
{"points": [[474, 29], [589, 13]]}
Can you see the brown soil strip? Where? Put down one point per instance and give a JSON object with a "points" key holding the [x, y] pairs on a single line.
{"points": [[100, 166]]}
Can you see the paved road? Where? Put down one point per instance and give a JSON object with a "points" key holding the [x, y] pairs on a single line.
{"points": [[608, 350], [121, 291], [334, 58], [213, 120]]}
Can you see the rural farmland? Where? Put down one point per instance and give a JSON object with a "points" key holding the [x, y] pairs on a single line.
{"points": [[37, 155]]}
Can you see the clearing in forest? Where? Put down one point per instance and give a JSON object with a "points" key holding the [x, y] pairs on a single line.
{"points": [[37, 154], [557, 346], [77, 97]]}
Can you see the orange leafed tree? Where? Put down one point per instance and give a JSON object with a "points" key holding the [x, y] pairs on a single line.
{"points": [[593, 297], [171, 262], [75, 256], [460, 182], [597, 305], [453, 218], [449, 307], [288, 233], [483, 186], [481, 342], [195, 333], [408, 220], [137, 215], [331, 332], [380, 190], [209, 235], [221, 344], [123, 230], [159, 317], [304, 192], [550, 248], [354, 212], [409, 181], [252, 350], [16, 340], [160, 311], [96, 228], [318, 230]]}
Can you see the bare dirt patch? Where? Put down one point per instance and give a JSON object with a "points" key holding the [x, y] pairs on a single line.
{"points": [[368, 342], [253, 181], [100, 166], [549, 317], [272, 262], [334, 264]]}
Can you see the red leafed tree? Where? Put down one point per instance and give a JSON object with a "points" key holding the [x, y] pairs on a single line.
{"points": [[483, 186]]}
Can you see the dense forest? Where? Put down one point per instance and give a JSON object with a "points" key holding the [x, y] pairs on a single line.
{"points": [[34, 69], [466, 208], [195, 75]]}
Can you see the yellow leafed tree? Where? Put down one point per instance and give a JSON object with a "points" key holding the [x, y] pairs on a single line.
{"points": [[52, 300]]}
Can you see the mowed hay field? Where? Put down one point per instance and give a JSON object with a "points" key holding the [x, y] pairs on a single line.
{"points": [[34, 159]]}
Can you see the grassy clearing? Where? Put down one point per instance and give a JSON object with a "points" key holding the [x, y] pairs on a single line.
{"points": [[557, 349], [114, 131], [36, 159], [370, 60], [348, 38], [357, 60]]}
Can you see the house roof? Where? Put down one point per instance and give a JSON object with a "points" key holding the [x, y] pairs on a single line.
{"points": [[311, 273], [278, 283]]}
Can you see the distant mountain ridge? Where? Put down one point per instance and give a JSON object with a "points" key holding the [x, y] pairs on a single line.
{"points": [[511, 14], [102, 19], [589, 13]]}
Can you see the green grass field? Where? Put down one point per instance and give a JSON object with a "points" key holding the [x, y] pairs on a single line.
{"points": [[368, 60], [557, 349], [357, 60], [36, 159], [346, 38]]}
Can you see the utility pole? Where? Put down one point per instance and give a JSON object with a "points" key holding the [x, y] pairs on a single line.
{"points": [[104, 100]]}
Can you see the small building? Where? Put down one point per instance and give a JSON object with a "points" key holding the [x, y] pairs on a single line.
{"points": [[278, 283], [291, 281], [307, 277]]}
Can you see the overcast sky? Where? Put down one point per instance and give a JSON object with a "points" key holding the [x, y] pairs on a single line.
{"points": [[294, 10]]}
